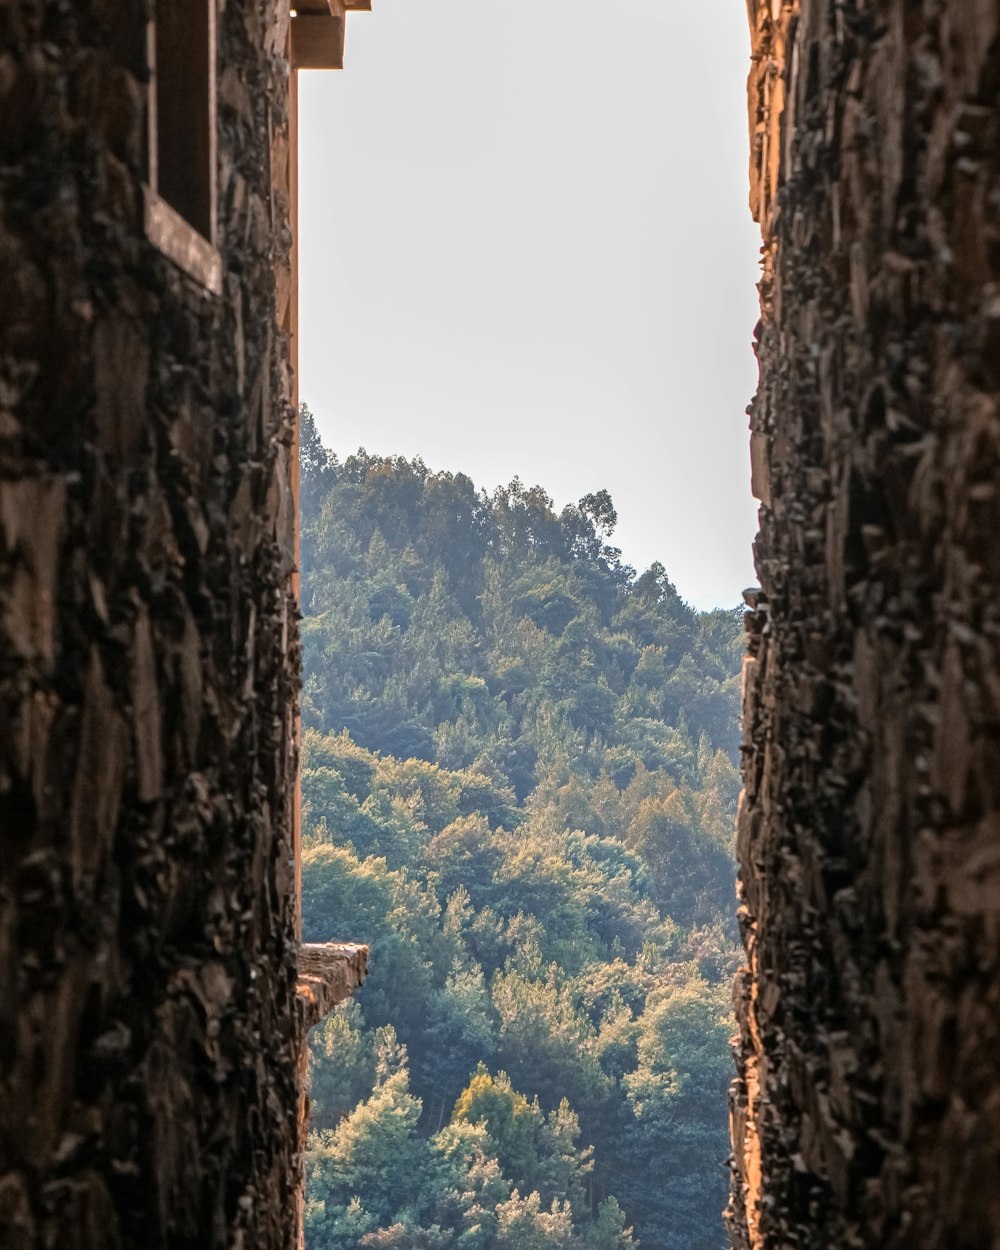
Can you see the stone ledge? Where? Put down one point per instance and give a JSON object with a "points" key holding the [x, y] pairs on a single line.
{"points": [[329, 972]]}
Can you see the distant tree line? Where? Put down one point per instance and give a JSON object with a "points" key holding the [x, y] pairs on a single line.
{"points": [[519, 787]]}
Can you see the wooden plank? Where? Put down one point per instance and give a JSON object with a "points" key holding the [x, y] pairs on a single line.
{"points": [[179, 240], [337, 8], [317, 42], [318, 8], [291, 188]]}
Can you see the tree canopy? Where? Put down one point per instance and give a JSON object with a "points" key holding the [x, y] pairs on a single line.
{"points": [[519, 786]]}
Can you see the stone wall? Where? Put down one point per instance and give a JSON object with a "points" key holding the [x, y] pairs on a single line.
{"points": [[867, 1112], [147, 650]]}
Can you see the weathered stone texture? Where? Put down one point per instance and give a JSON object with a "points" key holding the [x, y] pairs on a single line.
{"points": [[868, 1107], [148, 1091], [329, 973]]}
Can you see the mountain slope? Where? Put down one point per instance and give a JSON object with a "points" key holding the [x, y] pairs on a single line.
{"points": [[519, 783]]}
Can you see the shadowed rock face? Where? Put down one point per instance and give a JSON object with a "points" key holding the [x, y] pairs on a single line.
{"points": [[148, 1048], [867, 1112], [147, 658]]}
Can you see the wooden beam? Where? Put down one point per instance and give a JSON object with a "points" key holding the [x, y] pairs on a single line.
{"points": [[317, 41], [319, 8], [335, 7], [178, 239]]}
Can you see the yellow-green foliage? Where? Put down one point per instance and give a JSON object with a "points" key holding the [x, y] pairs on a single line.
{"points": [[519, 785]]}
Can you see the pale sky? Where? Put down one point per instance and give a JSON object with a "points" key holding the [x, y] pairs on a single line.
{"points": [[525, 249]]}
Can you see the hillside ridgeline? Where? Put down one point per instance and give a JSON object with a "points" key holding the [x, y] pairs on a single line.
{"points": [[519, 786]]}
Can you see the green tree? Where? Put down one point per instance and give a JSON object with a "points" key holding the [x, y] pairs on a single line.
{"points": [[513, 1123], [374, 1155], [341, 1065], [519, 787], [609, 1231]]}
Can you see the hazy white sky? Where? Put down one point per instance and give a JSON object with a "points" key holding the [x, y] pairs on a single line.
{"points": [[525, 249]]}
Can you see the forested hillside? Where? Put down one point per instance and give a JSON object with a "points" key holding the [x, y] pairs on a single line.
{"points": [[519, 786]]}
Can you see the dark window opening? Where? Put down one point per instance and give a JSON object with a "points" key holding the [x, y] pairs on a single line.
{"points": [[182, 110]]}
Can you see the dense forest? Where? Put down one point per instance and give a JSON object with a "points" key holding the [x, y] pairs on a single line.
{"points": [[519, 786]]}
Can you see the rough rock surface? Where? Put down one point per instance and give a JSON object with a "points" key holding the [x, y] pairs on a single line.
{"points": [[148, 1063], [329, 973], [867, 1112]]}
